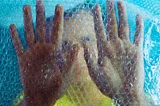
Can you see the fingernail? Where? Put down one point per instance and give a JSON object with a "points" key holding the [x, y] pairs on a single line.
{"points": [[26, 9], [39, 5], [39, 2], [59, 10], [12, 29], [97, 6], [120, 3], [110, 5], [59, 7]]}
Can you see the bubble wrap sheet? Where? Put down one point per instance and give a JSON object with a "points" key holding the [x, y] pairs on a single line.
{"points": [[82, 91]]}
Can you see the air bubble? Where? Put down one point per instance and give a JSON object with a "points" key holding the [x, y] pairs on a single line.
{"points": [[109, 20], [131, 84], [29, 64], [46, 76], [42, 70]]}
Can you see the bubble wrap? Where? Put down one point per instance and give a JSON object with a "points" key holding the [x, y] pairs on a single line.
{"points": [[82, 91]]}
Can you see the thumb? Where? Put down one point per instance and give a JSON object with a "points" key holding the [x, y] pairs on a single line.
{"points": [[71, 57]]}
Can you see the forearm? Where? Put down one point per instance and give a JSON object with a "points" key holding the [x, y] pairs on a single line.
{"points": [[145, 101], [140, 102], [135, 101], [36, 101], [33, 103]]}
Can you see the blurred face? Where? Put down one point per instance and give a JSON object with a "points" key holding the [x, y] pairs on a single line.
{"points": [[77, 27]]}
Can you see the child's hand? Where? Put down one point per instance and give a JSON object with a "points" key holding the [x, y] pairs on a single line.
{"points": [[43, 78], [119, 71]]}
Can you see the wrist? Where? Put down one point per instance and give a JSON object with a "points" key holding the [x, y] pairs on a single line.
{"points": [[131, 100], [34, 100], [140, 101], [144, 100]]}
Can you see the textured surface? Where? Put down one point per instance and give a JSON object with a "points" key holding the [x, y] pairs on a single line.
{"points": [[11, 12]]}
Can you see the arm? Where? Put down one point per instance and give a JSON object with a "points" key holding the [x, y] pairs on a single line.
{"points": [[119, 71], [42, 77], [35, 102]]}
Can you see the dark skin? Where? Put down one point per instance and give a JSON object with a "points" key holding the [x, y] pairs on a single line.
{"points": [[43, 79], [119, 70]]}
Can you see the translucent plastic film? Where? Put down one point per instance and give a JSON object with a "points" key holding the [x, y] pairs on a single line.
{"points": [[117, 72]]}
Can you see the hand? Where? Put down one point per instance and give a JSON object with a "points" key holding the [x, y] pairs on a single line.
{"points": [[42, 77], [119, 71]]}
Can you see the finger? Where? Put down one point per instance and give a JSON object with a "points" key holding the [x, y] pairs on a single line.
{"points": [[96, 72], [57, 30], [139, 35], [90, 58], [62, 55], [66, 45], [123, 22], [98, 24], [94, 69], [16, 41], [111, 21], [99, 29], [40, 21], [28, 26], [48, 30], [72, 56]]}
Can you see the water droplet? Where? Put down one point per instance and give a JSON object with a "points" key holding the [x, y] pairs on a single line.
{"points": [[46, 76], [135, 78], [28, 64], [42, 70], [131, 84], [90, 55], [51, 54], [101, 62], [110, 19], [48, 70], [138, 86]]}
